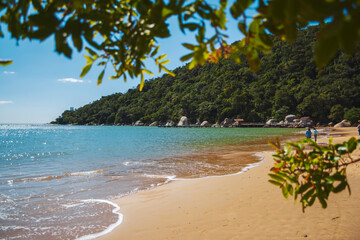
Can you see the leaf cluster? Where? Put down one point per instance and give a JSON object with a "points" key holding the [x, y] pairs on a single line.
{"points": [[309, 171], [124, 33]]}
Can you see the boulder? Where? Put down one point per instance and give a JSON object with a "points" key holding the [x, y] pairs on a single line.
{"points": [[343, 123], [183, 122], [205, 124], [216, 125], [139, 123], [170, 124], [271, 121], [290, 118], [154, 124], [227, 122]]}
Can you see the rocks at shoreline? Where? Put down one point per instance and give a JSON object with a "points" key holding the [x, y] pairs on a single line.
{"points": [[343, 123], [183, 122]]}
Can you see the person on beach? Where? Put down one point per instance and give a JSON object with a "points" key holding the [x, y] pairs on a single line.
{"points": [[358, 127], [308, 133], [315, 134]]}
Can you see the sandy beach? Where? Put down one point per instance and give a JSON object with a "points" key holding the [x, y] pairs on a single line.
{"points": [[243, 206]]}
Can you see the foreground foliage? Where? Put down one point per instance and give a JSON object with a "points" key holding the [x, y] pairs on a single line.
{"points": [[312, 173], [122, 34]]}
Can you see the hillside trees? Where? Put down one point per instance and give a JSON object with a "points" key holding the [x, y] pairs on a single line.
{"points": [[227, 89]]}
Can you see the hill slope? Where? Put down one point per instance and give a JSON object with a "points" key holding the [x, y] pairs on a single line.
{"points": [[288, 83]]}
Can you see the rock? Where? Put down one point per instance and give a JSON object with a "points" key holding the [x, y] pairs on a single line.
{"points": [[216, 125], [139, 123], [154, 124], [205, 124], [290, 118], [343, 123], [227, 122], [271, 121], [170, 124], [198, 123], [183, 122]]}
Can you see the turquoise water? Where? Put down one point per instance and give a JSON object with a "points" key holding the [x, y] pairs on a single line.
{"points": [[48, 173]]}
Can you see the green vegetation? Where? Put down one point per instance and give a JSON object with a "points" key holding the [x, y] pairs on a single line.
{"points": [[122, 34], [287, 83], [312, 174]]}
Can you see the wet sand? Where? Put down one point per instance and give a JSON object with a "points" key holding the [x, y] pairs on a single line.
{"points": [[243, 206]]}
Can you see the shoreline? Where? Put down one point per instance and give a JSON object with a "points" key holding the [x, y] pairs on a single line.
{"points": [[238, 206]]}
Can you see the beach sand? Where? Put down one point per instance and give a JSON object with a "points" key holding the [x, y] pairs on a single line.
{"points": [[243, 206]]}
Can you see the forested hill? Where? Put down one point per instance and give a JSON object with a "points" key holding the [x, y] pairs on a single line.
{"points": [[288, 83]]}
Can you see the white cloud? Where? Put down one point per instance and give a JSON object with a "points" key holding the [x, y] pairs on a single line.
{"points": [[7, 72], [6, 102], [71, 80]]}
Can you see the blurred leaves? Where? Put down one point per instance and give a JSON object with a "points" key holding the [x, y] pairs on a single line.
{"points": [[312, 174], [5, 62], [124, 33]]}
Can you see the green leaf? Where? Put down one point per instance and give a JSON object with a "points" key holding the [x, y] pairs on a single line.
{"points": [[304, 187], [89, 59], [189, 46], [91, 52], [253, 60], [340, 187], [285, 191], [165, 62], [275, 183], [5, 62], [276, 177], [168, 71], [191, 26], [142, 82], [325, 51], [77, 41], [85, 70], [351, 145], [290, 189], [322, 201], [239, 7], [242, 27], [155, 51], [148, 72], [279, 165], [187, 57], [308, 194], [100, 78]]}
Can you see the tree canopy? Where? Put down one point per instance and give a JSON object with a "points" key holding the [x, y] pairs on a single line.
{"points": [[124, 33]]}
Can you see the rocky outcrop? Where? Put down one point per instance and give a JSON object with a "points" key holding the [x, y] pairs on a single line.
{"points": [[227, 122], [139, 123], [205, 124], [154, 124], [290, 118], [216, 125], [343, 123], [271, 121], [170, 124], [183, 122]]}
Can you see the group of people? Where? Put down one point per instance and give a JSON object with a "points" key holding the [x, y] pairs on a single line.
{"points": [[308, 133]]}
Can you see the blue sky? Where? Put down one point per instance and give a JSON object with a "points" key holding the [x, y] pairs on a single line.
{"points": [[41, 84]]}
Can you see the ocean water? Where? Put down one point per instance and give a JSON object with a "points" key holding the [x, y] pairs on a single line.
{"points": [[56, 181]]}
